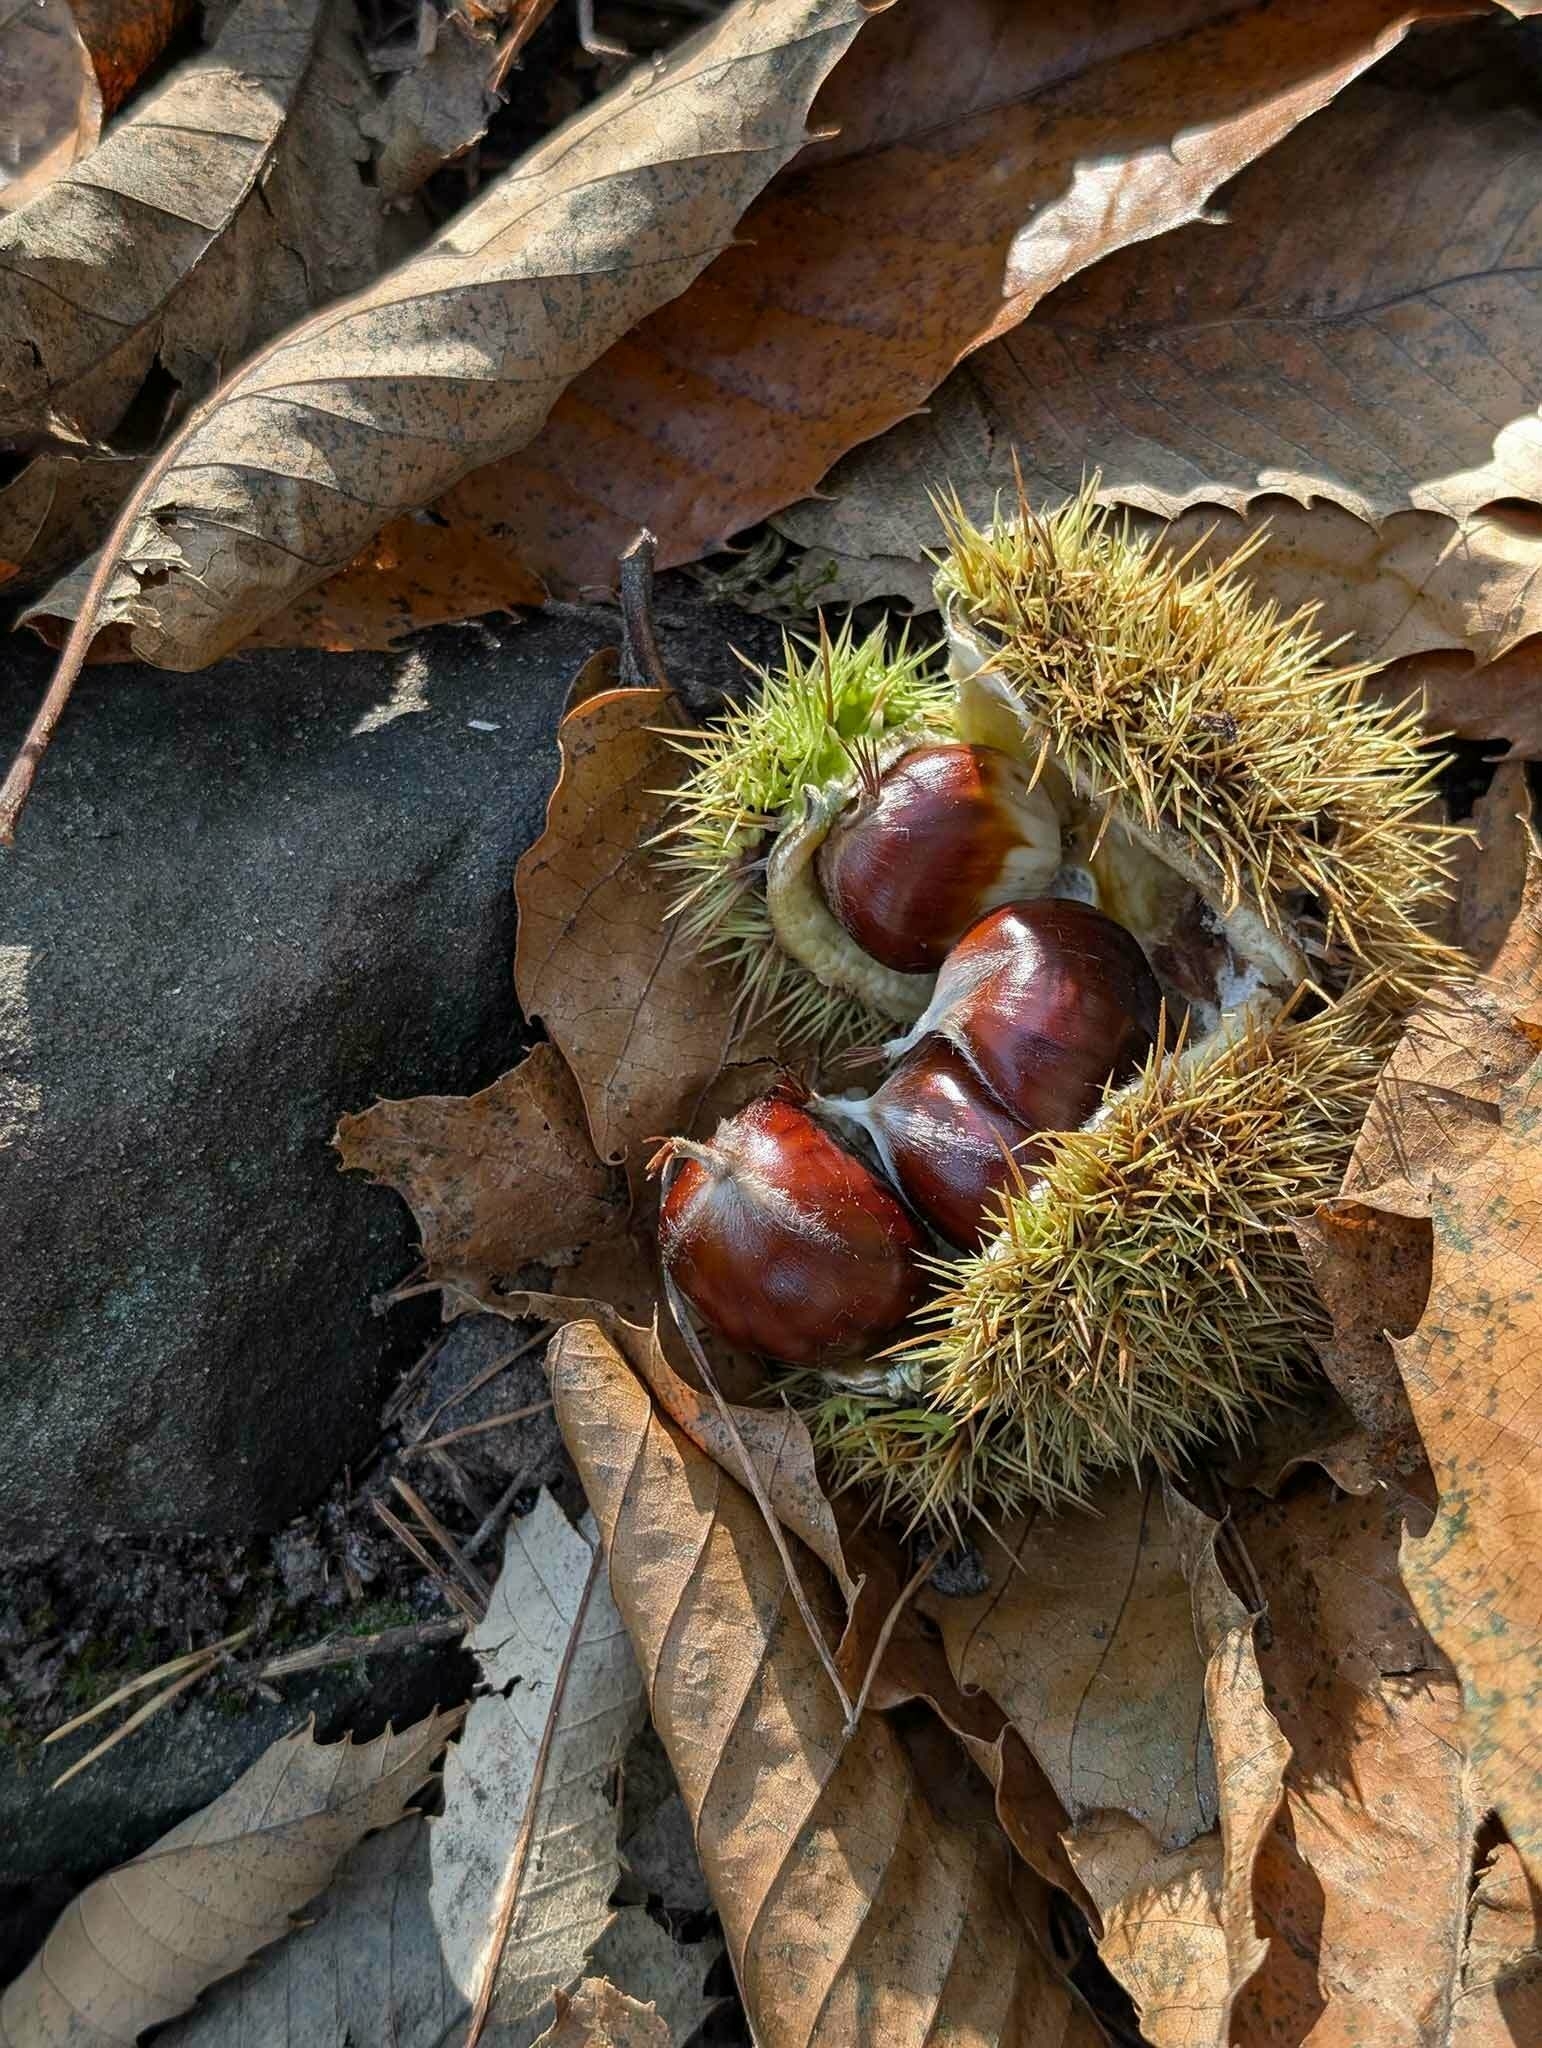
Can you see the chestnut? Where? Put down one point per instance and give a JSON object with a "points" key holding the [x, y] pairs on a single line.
{"points": [[1049, 1002], [945, 1140], [946, 833], [785, 1242]]}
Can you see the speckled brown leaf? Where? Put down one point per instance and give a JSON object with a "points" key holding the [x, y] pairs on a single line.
{"points": [[987, 151], [88, 271], [599, 2016], [1372, 1269], [1085, 1638], [1473, 1370], [852, 1909], [1361, 1886], [1499, 1999], [140, 1944], [644, 1027], [1179, 1925], [1374, 350], [373, 408], [1415, 583], [497, 1181]]}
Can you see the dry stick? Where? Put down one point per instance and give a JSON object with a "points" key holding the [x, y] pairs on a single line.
{"points": [[138, 1719], [496, 1514], [476, 1585], [500, 1364], [752, 1480], [343, 1650], [167, 1670], [478, 1428], [508, 1896], [441, 1578], [641, 661]]}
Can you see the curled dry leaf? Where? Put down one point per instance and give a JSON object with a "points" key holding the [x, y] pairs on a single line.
{"points": [[644, 1027], [1361, 1886], [88, 270], [1085, 1639], [1414, 583], [497, 1181], [848, 1903], [436, 109], [51, 96], [1491, 874], [986, 152], [599, 2016], [372, 408], [138, 1946], [1492, 700], [125, 37]]}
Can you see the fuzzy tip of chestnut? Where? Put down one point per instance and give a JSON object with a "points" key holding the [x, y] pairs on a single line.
{"points": [[784, 1241], [944, 834]]}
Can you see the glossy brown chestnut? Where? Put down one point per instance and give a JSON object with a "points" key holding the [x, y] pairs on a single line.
{"points": [[945, 1140], [943, 835], [784, 1241], [1048, 1001]]}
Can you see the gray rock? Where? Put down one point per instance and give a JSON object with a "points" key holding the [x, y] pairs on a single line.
{"points": [[244, 902]]}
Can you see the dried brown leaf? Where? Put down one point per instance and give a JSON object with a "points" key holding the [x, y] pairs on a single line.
{"points": [[497, 1181], [1414, 583], [1499, 2000], [125, 37], [55, 509], [90, 268], [986, 152], [1493, 700], [434, 110], [600, 2016], [1179, 1926], [371, 409], [1473, 1370], [138, 1946], [1492, 870], [51, 96], [1361, 1886], [643, 1025], [1375, 352], [1085, 1639], [849, 1905]]}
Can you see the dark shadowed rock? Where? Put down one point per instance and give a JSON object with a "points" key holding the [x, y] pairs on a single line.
{"points": [[242, 903]]}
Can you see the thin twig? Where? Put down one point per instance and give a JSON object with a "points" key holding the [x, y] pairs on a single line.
{"points": [[343, 1650], [752, 1480], [528, 18], [451, 1593], [917, 1579], [161, 1671], [151, 1707], [641, 662], [479, 1428], [496, 1514], [500, 1364], [412, 1379], [476, 1585]]}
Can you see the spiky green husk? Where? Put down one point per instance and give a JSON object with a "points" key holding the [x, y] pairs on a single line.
{"points": [[1175, 696], [1147, 1294], [749, 773]]}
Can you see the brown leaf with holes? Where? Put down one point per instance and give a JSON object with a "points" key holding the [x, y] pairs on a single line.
{"points": [[497, 1181], [1085, 1639], [643, 1025], [986, 152], [850, 1906], [308, 451], [599, 2016], [1361, 1885]]}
